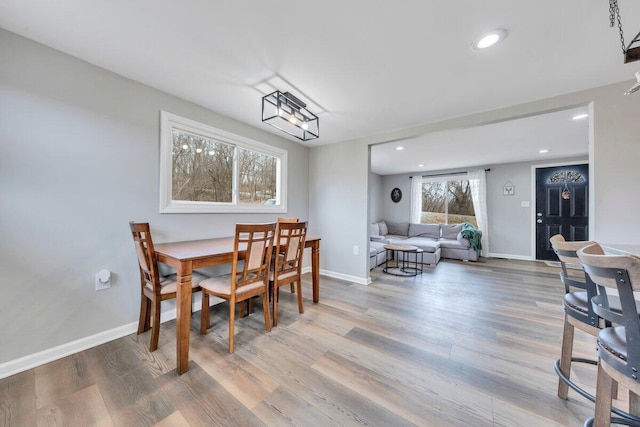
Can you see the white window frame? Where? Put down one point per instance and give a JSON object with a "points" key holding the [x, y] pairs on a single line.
{"points": [[169, 122], [447, 179]]}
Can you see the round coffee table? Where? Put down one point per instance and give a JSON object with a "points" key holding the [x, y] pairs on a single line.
{"points": [[405, 267]]}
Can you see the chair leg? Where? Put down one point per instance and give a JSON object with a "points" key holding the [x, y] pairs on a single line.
{"points": [[232, 323], [155, 325], [300, 307], [144, 323], [604, 388], [276, 292], [565, 357], [204, 313], [265, 308], [292, 288]]}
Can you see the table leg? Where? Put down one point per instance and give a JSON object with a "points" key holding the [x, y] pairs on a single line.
{"points": [[183, 316], [315, 270]]}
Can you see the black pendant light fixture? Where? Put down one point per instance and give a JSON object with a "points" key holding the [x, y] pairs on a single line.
{"points": [[630, 53], [289, 114]]}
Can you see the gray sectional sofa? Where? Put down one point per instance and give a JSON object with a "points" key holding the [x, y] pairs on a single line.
{"points": [[436, 240]]}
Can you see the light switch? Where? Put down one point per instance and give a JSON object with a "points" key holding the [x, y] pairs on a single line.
{"points": [[525, 204]]}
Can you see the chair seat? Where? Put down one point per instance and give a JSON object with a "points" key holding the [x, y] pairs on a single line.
{"points": [[170, 284], [282, 276], [614, 341], [221, 285], [577, 301]]}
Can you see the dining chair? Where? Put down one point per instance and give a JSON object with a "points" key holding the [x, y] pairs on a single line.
{"points": [[154, 287], [287, 268], [578, 313], [249, 276], [282, 220], [618, 346]]}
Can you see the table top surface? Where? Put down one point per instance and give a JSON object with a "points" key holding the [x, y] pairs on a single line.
{"points": [[199, 248], [404, 248]]}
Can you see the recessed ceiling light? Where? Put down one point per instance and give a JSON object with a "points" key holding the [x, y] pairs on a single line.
{"points": [[544, 150], [489, 39], [420, 165], [399, 147], [580, 116]]}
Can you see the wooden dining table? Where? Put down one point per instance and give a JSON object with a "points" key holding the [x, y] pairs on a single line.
{"points": [[188, 255]]}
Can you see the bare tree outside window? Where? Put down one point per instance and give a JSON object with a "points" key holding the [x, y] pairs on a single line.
{"points": [[202, 169], [205, 169], [447, 202], [258, 173]]}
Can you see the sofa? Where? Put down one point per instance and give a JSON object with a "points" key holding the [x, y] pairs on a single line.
{"points": [[436, 240]]}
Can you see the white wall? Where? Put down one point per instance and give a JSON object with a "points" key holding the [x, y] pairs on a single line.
{"points": [[79, 152]]}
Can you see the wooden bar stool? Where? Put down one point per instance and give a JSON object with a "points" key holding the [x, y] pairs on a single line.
{"points": [[618, 346]]}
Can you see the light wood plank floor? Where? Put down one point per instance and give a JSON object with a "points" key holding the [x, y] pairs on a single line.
{"points": [[464, 344]]}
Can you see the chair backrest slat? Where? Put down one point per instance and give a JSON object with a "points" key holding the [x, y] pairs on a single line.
{"points": [[290, 245], [567, 254], [253, 246], [145, 251]]}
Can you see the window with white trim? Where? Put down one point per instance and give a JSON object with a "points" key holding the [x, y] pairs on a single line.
{"points": [[205, 169], [447, 201]]}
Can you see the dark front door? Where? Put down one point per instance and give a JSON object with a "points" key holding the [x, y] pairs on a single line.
{"points": [[562, 206]]}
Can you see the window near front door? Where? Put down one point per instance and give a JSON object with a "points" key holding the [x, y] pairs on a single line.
{"points": [[447, 202], [204, 169]]}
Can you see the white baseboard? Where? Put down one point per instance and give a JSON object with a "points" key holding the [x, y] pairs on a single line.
{"points": [[347, 277], [22, 364], [16, 366], [511, 256], [340, 276]]}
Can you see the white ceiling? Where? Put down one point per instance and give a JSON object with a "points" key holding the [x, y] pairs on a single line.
{"points": [[505, 142], [374, 67]]}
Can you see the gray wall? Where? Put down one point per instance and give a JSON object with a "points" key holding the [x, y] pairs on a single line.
{"points": [[375, 197], [79, 152], [510, 224], [338, 176], [614, 153]]}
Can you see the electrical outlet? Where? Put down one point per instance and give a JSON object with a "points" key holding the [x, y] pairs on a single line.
{"points": [[356, 250], [103, 280]]}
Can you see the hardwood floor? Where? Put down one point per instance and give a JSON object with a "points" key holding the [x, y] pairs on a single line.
{"points": [[464, 344]]}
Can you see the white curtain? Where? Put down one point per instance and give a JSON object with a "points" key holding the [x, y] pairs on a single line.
{"points": [[478, 185], [416, 199]]}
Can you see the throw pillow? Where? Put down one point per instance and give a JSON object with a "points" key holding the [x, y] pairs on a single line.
{"points": [[425, 230], [398, 228], [450, 231], [383, 228]]}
